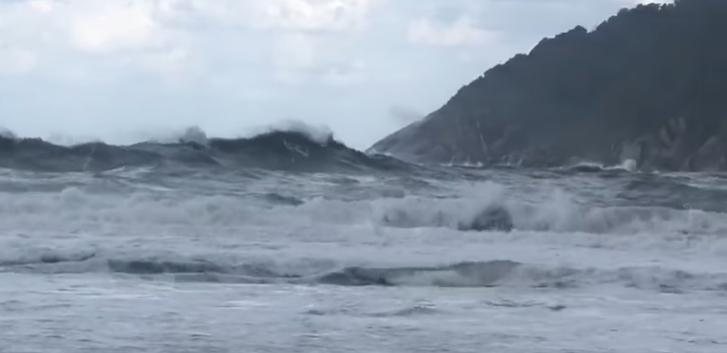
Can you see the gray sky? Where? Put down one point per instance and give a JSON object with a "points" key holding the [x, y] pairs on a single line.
{"points": [[127, 70]]}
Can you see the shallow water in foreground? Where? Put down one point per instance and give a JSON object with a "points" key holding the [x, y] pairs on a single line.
{"points": [[149, 260]]}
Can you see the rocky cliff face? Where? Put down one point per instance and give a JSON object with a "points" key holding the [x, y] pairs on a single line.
{"points": [[648, 85]]}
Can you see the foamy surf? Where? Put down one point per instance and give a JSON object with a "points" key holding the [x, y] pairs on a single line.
{"points": [[338, 242]]}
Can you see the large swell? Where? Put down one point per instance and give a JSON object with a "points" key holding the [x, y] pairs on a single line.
{"points": [[294, 150], [239, 211]]}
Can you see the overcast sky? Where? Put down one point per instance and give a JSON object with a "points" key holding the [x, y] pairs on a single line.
{"points": [[127, 70]]}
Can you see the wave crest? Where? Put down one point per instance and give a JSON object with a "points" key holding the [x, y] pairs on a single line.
{"points": [[296, 149]]}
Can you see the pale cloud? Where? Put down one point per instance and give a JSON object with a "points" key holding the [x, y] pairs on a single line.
{"points": [[313, 15], [175, 65], [346, 74], [462, 32], [291, 15], [43, 6], [14, 61], [105, 68], [293, 56], [158, 35], [630, 3], [301, 58], [295, 51], [109, 26]]}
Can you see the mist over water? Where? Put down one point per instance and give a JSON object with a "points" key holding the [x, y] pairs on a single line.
{"points": [[283, 242]]}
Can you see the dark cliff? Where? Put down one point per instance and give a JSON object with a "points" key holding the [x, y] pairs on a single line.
{"points": [[649, 84]]}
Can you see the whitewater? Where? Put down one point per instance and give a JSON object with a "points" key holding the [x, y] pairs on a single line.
{"points": [[288, 243]]}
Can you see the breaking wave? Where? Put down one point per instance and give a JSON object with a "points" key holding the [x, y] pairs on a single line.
{"points": [[496, 273], [628, 165], [559, 214], [298, 148], [487, 208]]}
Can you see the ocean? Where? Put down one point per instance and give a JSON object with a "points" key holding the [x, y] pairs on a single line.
{"points": [[278, 244]]}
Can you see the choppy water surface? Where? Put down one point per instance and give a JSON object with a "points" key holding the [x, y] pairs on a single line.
{"points": [[150, 259]]}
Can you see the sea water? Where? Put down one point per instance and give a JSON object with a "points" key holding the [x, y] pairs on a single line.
{"points": [[148, 259]]}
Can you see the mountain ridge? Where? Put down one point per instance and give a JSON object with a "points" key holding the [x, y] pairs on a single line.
{"points": [[649, 85]]}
